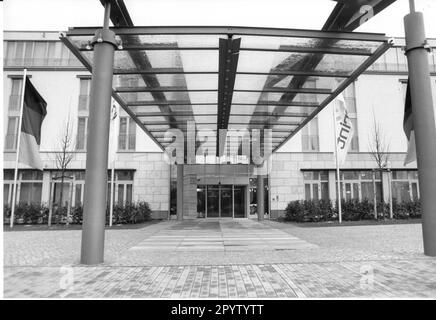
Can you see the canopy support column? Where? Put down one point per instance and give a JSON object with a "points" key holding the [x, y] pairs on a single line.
{"points": [[260, 198], [180, 192], [423, 122], [94, 214]]}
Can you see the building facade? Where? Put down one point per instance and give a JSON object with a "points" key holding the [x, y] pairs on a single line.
{"points": [[303, 168]]}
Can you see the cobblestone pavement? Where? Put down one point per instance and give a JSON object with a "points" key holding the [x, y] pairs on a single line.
{"points": [[224, 259]]}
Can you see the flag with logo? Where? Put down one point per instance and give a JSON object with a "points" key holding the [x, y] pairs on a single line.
{"points": [[408, 128], [34, 112], [113, 136], [344, 129]]}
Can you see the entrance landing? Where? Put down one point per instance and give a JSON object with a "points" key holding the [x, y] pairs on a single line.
{"points": [[221, 235]]}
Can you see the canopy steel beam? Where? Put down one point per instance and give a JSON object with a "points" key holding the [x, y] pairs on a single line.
{"points": [[344, 11], [154, 71], [87, 64], [379, 52], [184, 89], [347, 14], [272, 72], [181, 114], [235, 31], [120, 18], [283, 48], [228, 63], [326, 50], [188, 103]]}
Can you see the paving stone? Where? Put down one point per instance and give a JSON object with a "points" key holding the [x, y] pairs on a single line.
{"points": [[223, 259]]}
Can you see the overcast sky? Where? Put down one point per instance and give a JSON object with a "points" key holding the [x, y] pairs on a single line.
{"points": [[306, 14]]}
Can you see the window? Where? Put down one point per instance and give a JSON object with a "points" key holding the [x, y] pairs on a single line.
{"points": [[359, 185], [127, 135], [15, 96], [38, 53], [123, 187], [29, 187], [310, 137], [12, 134], [82, 133], [28, 54], [8, 177], [394, 60], [85, 88], [316, 185], [402, 60], [405, 185]]}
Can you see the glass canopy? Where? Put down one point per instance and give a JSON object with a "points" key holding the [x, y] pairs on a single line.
{"points": [[230, 78]]}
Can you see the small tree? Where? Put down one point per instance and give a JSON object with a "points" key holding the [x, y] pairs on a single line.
{"points": [[379, 149], [63, 157]]}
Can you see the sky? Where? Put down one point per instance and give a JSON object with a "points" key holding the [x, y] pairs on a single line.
{"points": [[58, 15]]}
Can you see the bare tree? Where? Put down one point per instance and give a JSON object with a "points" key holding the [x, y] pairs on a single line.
{"points": [[63, 157], [379, 149]]}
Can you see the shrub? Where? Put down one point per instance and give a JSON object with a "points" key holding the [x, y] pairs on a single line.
{"points": [[352, 210], [38, 214], [130, 213], [309, 211], [34, 213], [406, 210]]}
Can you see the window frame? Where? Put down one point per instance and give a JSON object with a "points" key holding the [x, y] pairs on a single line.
{"points": [[130, 137], [316, 183]]}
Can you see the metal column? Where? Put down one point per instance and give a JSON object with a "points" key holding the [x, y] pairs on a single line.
{"points": [[424, 123], [94, 215], [260, 198], [179, 192]]}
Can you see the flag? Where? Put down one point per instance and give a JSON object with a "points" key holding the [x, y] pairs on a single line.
{"points": [[34, 111], [113, 136], [408, 128], [345, 130]]}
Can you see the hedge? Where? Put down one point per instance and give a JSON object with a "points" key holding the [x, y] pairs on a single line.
{"points": [[352, 210], [38, 214]]}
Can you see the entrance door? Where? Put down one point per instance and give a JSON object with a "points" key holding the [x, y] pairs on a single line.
{"points": [[239, 201], [226, 202], [221, 201], [213, 203]]}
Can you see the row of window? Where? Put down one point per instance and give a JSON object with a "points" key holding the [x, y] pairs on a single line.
{"points": [[55, 54], [127, 127], [126, 137], [359, 185], [394, 60], [38, 54], [29, 187]]}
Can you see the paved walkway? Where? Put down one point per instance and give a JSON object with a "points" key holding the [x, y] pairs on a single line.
{"points": [[224, 259], [224, 235]]}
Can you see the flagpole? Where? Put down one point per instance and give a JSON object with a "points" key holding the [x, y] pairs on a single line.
{"points": [[111, 209], [20, 119], [115, 136], [338, 177]]}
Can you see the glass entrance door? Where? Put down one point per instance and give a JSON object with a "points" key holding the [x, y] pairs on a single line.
{"points": [[213, 203], [226, 201], [239, 201], [221, 201]]}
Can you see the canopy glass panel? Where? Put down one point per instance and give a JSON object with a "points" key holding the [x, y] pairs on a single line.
{"points": [[231, 78]]}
